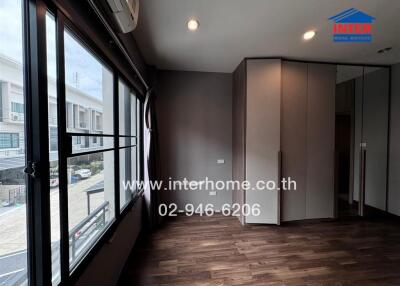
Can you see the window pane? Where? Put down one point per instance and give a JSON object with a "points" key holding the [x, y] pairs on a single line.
{"points": [[90, 200], [53, 147], [81, 144], [89, 90], [124, 97], [133, 115], [127, 162], [127, 141], [13, 227], [134, 173], [138, 135]]}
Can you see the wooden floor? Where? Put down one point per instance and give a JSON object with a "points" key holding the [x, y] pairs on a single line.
{"points": [[219, 251]]}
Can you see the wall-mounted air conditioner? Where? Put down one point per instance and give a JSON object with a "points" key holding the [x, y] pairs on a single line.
{"points": [[126, 12]]}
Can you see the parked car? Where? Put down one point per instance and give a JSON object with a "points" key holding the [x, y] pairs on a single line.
{"points": [[54, 182], [83, 173]]}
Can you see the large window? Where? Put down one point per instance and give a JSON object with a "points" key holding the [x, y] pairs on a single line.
{"points": [[90, 130], [89, 90], [13, 227], [90, 200], [89, 110]]}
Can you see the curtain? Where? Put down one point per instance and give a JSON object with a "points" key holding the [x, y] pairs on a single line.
{"points": [[151, 196]]}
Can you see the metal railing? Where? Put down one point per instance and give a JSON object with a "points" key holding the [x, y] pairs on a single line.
{"points": [[14, 196], [86, 230]]}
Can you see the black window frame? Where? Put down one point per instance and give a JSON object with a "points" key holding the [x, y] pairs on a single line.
{"points": [[63, 24], [38, 145]]}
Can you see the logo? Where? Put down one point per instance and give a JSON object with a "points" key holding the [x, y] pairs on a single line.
{"points": [[352, 25]]}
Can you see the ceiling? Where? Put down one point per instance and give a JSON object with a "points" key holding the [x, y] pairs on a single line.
{"points": [[233, 29]]}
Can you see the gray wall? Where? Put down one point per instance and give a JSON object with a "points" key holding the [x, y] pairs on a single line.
{"points": [[106, 267], [194, 112], [394, 152]]}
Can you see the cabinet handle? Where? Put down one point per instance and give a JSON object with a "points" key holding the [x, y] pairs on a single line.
{"points": [[279, 169]]}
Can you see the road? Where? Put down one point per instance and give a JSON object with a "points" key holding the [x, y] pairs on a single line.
{"points": [[13, 267], [13, 256]]}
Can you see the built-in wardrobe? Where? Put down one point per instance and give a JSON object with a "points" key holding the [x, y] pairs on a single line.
{"points": [[284, 127], [287, 109]]}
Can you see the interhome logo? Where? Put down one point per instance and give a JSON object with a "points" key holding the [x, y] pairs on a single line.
{"points": [[352, 25]]}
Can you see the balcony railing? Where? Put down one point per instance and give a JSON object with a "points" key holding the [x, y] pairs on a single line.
{"points": [[87, 230]]}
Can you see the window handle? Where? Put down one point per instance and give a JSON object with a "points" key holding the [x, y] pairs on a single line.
{"points": [[31, 169]]}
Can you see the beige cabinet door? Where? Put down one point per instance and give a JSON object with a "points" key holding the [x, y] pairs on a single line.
{"points": [[263, 137]]}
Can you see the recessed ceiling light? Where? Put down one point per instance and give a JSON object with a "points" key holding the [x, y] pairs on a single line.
{"points": [[309, 35], [193, 25]]}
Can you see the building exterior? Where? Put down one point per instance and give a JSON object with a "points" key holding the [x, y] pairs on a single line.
{"points": [[84, 114]]}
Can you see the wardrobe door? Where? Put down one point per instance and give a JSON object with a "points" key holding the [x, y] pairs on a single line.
{"points": [[263, 137], [358, 122], [238, 132], [320, 140], [293, 138]]}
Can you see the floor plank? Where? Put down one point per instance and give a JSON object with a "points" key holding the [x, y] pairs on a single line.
{"points": [[219, 251]]}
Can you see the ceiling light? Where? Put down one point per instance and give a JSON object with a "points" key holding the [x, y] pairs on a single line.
{"points": [[309, 35], [193, 25]]}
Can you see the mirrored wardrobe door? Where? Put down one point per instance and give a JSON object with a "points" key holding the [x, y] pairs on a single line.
{"points": [[348, 129], [375, 139]]}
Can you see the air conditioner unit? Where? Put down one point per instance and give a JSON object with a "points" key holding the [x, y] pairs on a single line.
{"points": [[126, 12]]}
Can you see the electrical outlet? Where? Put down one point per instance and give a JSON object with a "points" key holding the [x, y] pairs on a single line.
{"points": [[220, 161]]}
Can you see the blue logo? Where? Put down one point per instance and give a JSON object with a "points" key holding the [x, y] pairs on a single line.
{"points": [[352, 25]]}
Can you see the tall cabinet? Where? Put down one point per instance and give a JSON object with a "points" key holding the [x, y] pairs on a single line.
{"points": [[288, 110]]}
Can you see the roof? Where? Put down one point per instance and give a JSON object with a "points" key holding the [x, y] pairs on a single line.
{"points": [[352, 16]]}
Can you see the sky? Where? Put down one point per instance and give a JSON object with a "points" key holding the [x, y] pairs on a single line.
{"points": [[82, 70]]}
